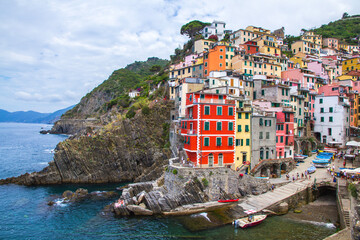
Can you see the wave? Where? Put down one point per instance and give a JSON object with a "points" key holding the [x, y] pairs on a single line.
{"points": [[60, 202], [328, 225], [49, 150], [204, 214]]}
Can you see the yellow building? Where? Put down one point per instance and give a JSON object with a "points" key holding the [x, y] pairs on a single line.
{"points": [[305, 47], [202, 45], [243, 134], [256, 64], [350, 65], [268, 45], [258, 30], [310, 36], [301, 62]]}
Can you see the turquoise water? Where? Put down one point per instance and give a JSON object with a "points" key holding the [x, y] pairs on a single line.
{"points": [[24, 213]]}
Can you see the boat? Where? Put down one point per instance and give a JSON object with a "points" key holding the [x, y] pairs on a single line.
{"points": [[228, 200], [311, 169], [250, 221], [318, 162], [300, 157]]}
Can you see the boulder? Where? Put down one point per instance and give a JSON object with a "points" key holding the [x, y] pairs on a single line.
{"points": [[67, 194], [138, 210], [282, 208]]}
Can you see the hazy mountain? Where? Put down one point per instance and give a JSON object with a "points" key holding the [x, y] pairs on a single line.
{"points": [[31, 116]]}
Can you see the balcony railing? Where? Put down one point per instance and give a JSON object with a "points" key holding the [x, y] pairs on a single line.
{"points": [[216, 101], [190, 132]]}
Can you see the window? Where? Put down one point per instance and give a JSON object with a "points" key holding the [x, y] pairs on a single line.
{"points": [[276, 139], [322, 119], [218, 141], [230, 141], [329, 131], [247, 142], [281, 139], [231, 111], [330, 109], [321, 100], [330, 119], [231, 126], [261, 122], [321, 110], [237, 142], [263, 92], [239, 128], [242, 142], [267, 135], [219, 111], [239, 115], [206, 126], [218, 126], [207, 110], [246, 128], [206, 141], [260, 135], [246, 115]]}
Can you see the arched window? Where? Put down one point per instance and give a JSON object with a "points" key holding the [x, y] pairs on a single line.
{"points": [[220, 160]]}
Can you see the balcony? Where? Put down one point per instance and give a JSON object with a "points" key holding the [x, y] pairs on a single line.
{"points": [[244, 109], [214, 101], [190, 132]]}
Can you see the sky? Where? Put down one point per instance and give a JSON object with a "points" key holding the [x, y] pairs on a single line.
{"points": [[53, 52]]}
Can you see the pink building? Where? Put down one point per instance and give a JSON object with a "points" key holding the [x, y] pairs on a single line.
{"points": [[319, 70], [284, 133], [331, 43], [306, 77]]}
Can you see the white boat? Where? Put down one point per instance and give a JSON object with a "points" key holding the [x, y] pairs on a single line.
{"points": [[249, 221]]}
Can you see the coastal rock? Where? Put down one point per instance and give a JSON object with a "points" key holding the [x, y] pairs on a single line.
{"points": [[127, 150], [179, 193], [82, 194], [138, 210]]}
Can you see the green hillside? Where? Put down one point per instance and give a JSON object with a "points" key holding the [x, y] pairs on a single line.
{"points": [[141, 75], [346, 29]]}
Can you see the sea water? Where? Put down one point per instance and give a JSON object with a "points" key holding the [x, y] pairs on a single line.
{"points": [[24, 213]]}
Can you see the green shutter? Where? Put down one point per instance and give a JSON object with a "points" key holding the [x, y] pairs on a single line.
{"points": [[231, 126], [219, 110], [207, 126], [246, 128], [218, 126], [231, 111], [242, 142], [206, 141], [207, 110], [239, 128], [239, 115], [230, 141], [247, 142]]}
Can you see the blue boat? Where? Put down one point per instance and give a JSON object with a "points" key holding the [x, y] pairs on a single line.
{"points": [[311, 169], [321, 162]]}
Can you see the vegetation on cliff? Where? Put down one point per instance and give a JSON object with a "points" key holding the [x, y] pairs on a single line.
{"points": [[140, 76]]}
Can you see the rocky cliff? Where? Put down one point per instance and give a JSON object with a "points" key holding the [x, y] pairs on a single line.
{"points": [[123, 150]]}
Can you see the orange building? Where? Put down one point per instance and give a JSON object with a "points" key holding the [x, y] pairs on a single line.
{"points": [[218, 58], [209, 129]]}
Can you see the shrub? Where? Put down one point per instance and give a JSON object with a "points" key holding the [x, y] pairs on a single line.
{"points": [[205, 182], [175, 172], [131, 113], [353, 190], [145, 110], [211, 173]]}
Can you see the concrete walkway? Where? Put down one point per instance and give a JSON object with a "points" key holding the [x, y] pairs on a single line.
{"points": [[263, 201]]}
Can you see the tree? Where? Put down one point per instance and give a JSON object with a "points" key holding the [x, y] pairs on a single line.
{"points": [[193, 28], [155, 68], [345, 15], [214, 38], [226, 37]]}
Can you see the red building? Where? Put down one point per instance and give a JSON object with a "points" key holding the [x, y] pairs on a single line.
{"points": [[285, 133], [209, 129], [250, 47]]}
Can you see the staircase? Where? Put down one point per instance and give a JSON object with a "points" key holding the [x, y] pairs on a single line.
{"points": [[347, 218]]}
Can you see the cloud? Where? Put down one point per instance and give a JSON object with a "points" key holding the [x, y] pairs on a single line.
{"points": [[53, 52]]}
